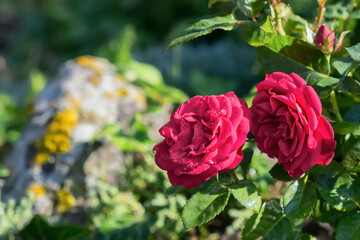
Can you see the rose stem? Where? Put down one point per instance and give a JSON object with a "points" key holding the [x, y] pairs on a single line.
{"points": [[335, 106], [320, 14], [233, 175], [274, 8]]}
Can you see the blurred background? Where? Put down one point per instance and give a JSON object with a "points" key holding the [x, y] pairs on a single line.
{"points": [[36, 38]]}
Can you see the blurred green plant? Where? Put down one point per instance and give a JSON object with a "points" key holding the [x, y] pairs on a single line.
{"points": [[14, 216]]}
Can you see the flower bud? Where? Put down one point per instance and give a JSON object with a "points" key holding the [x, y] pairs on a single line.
{"points": [[325, 39]]}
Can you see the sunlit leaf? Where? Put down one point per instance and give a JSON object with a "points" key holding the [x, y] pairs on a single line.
{"points": [[299, 201], [262, 223], [246, 194], [297, 50], [354, 52], [204, 26], [204, 206]]}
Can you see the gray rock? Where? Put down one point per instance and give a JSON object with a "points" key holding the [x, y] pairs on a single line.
{"points": [[49, 158]]}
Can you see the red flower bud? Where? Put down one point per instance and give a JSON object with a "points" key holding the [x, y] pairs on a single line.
{"points": [[325, 39]]}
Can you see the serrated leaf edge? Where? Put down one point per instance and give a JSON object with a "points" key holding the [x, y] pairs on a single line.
{"points": [[226, 191], [258, 195]]}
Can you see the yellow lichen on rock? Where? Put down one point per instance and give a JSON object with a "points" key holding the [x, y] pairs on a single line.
{"points": [[65, 200], [36, 189], [90, 62], [95, 79], [58, 133], [57, 138], [122, 92], [42, 157]]}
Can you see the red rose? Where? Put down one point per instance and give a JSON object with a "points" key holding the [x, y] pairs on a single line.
{"points": [[287, 124], [203, 137]]}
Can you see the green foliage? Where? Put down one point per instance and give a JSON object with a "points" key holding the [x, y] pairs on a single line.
{"points": [[143, 205], [354, 52], [204, 26], [299, 200], [350, 85], [274, 62], [122, 208], [324, 212], [9, 121], [345, 127], [271, 214], [259, 172], [337, 193], [250, 8], [278, 172], [246, 194], [41, 36], [282, 230], [212, 2], [245, 162], [349, 227], [351, 154], [292, 48], [151, 81], [13, 217], [38, 229], [204, 206]]}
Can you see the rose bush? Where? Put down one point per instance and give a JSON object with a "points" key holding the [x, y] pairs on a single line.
{"points": [[203, 137], [287, 124]]}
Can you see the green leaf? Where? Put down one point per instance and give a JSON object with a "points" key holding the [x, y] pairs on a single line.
{"points": [[336, 11], [346, 127], [292, 48], [258, 36], [205, 26], [128, 144], [212, 2], [353, 115], [282, 231], [299, 201], [324, 212], [322, 84], [245, 162], [4, 172], [353, 189], [350, 85], [341, 66], [278, 172], [349, 227], [37, 82], [354, 52], [337, 195], [246, 194], [259, 172], [39, 229], [172, 190], [250, 8], [355, 15], [351, 154], [145, 73], [271, 213], [139, 230], [204, 206]]}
